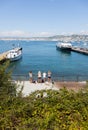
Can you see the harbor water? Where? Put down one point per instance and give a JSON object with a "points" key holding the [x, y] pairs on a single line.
{"points": [[43, 56]]}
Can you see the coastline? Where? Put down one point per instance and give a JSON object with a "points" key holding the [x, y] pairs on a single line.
{"points": [[69, 38]]}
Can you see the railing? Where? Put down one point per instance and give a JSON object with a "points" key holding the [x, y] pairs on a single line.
{"points": [[54, 78]]}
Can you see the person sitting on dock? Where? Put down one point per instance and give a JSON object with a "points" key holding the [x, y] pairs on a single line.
{"points": [[39, 77], [49, 76], [44, 76], [31, 76]]}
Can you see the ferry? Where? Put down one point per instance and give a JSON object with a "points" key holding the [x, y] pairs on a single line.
{"points": [[64, 46], [14, 54]]}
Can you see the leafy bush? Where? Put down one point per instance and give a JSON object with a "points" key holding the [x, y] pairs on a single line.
{"points": [[47, 110]]}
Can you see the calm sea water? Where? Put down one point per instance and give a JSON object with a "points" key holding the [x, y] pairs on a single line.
{"points": [[43, 56]]}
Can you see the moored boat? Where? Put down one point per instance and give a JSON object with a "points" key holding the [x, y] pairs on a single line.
{"points": [[64, 46], [14, 54]]}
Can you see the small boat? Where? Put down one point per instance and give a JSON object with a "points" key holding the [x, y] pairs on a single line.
{"points": [[14, 54], [64, 46]]}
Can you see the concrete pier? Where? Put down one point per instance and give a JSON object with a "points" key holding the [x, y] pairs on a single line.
{"points": [[80, 50]]}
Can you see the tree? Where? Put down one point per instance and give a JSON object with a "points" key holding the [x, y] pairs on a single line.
{"points": [[7, 88]]}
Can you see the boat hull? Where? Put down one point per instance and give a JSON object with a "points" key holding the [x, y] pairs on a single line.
{"points": [[16, 58], [63, 48]]}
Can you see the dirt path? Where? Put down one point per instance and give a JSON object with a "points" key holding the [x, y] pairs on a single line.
{"points": [[71, 85]]}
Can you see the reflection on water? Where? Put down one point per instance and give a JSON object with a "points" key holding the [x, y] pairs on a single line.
{"points": [[14, 65], [67, 53]]}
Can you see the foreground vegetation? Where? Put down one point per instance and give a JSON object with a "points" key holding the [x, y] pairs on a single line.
{"points": [[41, 110]]}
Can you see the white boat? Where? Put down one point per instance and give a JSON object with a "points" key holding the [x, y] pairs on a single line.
{"points": [[64, 46], [14, 54]]}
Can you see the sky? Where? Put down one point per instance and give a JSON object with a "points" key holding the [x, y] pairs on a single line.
{"points": [[43, 17]]}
